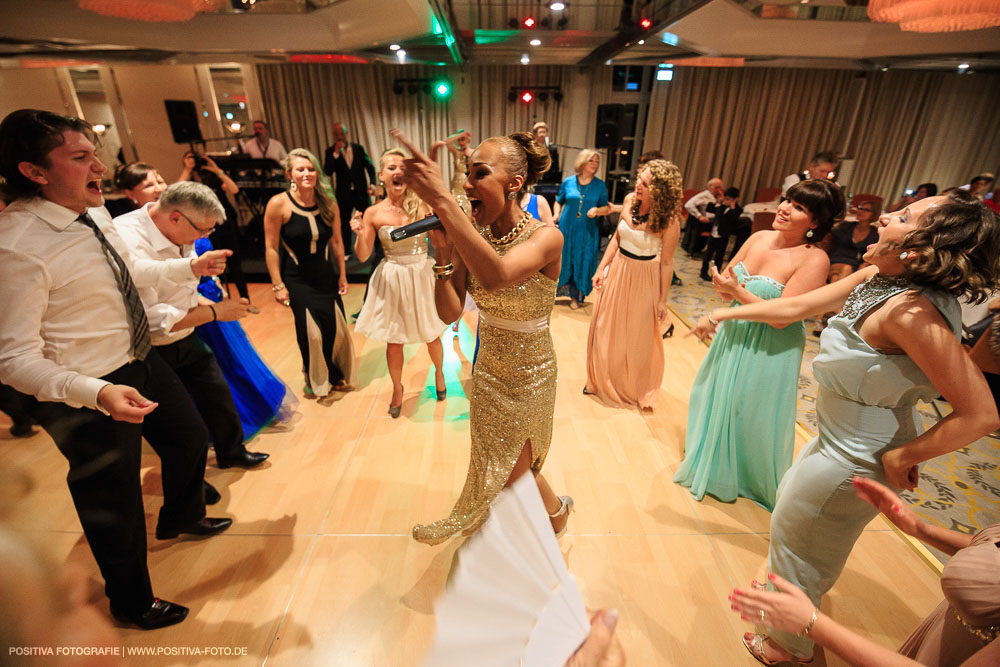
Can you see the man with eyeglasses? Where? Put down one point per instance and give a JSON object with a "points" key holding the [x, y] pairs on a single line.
{"points": [[163, 233]]}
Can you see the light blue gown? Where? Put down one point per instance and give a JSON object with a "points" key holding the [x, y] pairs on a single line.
{"points": [[741, 417], [581, 238], [865, 406]]}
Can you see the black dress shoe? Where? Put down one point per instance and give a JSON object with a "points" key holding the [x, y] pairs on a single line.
{"points": [[244, 459], [22, 430], [212, 494], [704, 276], [159, 615], [207, 526]]}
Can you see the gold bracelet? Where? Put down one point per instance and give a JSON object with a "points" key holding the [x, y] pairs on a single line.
{"points": [[812, 622], [444, 275], [443, 268]]}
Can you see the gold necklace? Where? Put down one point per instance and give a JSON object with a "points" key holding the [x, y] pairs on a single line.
{"points": [[511, 235]]}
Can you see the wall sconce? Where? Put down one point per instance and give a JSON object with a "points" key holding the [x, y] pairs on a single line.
{"points": [[100, 129]]}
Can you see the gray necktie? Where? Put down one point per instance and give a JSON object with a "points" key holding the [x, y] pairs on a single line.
{"points": [[138, 324]]}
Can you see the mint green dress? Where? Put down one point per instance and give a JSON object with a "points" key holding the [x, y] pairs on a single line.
{"points": [[741, 417]]}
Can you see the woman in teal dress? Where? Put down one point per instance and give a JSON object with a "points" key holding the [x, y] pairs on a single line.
{"points": [[894, 342], [581, 199], [741, 416]]}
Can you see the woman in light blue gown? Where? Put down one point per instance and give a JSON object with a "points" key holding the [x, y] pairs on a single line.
{"points": [[741, 416], [893, 343]]}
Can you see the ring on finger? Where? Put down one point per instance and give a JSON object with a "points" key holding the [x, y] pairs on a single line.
{"points": [[761, 615]]}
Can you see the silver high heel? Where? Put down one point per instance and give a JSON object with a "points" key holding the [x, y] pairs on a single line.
{"points": [[565, 507]]}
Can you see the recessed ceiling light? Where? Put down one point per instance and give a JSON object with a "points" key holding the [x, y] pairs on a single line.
{"points": [[525, 59], [964, 66], [885, 69], [401, 54], [536, 42], [641, 42], [557, 6], [394, 47]]}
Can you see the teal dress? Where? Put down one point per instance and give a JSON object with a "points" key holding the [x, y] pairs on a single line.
{"points": [[865, 406], [741, 417], [581, 239]]}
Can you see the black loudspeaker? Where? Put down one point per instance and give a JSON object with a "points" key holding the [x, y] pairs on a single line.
{"points": [[609, 125], [183, 117]]}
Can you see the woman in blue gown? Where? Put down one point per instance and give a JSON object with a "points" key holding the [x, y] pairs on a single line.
{"points": [[893, 343], [741, 417], [581, 199], [261, 397]]}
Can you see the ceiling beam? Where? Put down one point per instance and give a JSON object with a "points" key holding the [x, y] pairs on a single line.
{"points": [[442, 11], [630, 31]]}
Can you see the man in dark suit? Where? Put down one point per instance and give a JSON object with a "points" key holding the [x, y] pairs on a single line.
{"points": [[349, 164]]}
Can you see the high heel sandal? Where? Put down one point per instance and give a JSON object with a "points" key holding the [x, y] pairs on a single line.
{"points": [[755, 645], [669, 333], [565, 507], [394, 410], [440, 393]]}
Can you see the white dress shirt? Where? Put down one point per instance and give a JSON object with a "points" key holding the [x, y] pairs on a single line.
{"points": [[272, 149], [696, 205], [169, 288], [789, 181], [63, 322]]}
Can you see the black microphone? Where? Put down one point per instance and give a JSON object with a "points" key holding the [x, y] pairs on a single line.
{"points": [[416, 228]]}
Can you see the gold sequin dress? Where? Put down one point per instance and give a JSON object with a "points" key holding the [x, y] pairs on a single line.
{"points": [[513, 393]]}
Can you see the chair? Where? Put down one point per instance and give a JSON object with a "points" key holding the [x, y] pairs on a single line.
{"points": [[761, 221], [767, 194], [687, 194], [858, 198]]}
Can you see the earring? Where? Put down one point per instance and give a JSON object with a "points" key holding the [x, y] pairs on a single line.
{"points": [[904, 255], [809, 234], [294, 187], [512, 194]]}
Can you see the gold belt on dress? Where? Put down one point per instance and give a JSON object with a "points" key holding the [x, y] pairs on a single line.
{"points": [[406, 258], [521, 326]]}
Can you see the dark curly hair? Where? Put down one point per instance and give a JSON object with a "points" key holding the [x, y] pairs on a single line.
{"points": [[29, 135], [957, 248], [523, 155], [825, 202]]}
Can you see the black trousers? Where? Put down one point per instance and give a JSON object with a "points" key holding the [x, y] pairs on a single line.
{"points": [[349, 202], [227, 237], [741, 234], [199, 372], [693, 241], [15, 405], [104, 458], [714, 252]]}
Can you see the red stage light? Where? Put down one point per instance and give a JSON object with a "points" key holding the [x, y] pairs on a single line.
{"points": [[526, 96], [645, 23], [529, 22]]}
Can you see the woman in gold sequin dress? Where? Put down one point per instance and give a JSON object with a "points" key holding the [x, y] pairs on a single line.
{"points": [[510, 265]]}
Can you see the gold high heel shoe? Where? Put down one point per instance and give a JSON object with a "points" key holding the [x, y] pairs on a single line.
{"points": [[565, 507]]}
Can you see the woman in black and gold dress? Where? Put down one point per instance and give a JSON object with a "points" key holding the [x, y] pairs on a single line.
{"points": [[301, 227], [510, 266]]}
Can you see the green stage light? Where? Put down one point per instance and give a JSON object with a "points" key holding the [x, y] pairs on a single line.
{"points": [[442, 88]]}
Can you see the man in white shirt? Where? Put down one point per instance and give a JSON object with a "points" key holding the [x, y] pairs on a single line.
{"points": [[262, 145], [698, 222], [164, 231], [820, 166], [73, 334]]}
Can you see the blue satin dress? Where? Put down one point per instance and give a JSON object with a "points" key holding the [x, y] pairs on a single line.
{"points": [[260, 396]]}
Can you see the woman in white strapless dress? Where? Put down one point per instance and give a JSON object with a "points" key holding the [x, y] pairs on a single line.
{"points": [[399, 308]]}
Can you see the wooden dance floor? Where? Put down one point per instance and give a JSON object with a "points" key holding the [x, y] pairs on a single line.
{"points": [[319, 567]]}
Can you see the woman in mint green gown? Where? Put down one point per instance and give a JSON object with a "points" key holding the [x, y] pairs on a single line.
{"points": [[894, 342], [741, 416]]}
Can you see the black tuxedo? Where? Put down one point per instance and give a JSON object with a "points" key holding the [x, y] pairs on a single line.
{"points": [[352, 186]]}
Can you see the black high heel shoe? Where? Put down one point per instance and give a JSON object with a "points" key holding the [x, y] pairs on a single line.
{"points": [[669, 333]]}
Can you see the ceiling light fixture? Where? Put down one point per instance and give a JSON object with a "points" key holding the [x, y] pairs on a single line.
{"points": [[940, 16], [963, 66], [401, 55], [557, 6], [536, 42], [525, 59], [641, 42], [394, 47]]}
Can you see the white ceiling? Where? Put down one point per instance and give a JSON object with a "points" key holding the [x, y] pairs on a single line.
{"points": [[59, 30]]}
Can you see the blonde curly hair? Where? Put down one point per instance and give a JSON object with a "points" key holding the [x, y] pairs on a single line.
{"points": [[412, 204], [667, 188]]}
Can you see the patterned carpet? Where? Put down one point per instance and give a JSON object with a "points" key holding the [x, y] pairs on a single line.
{"points": [[960, 490]]}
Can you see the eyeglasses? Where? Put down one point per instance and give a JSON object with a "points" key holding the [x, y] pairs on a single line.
{"points": [[203, 232]]}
